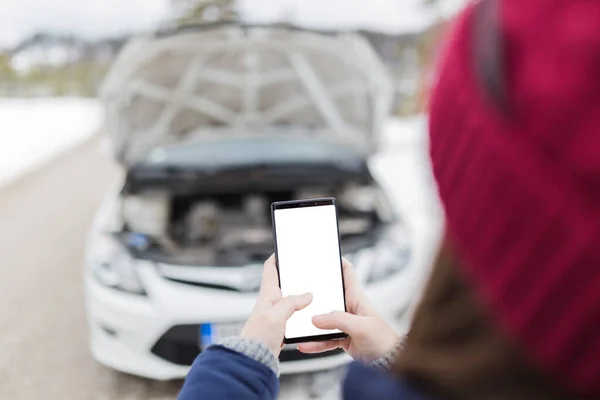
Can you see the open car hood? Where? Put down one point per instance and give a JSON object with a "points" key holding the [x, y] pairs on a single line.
{"points": [[191, 86]]}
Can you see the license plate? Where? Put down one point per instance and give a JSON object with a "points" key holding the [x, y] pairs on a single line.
{"points": [[213, 333]]}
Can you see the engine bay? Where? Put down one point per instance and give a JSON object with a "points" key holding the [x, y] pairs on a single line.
{"points": [[234, 229]]}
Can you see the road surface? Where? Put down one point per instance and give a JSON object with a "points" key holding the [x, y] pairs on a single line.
{"points": [[44, 218]]}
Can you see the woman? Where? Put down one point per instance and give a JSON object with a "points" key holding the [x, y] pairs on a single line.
{"points": [[512, 309]]}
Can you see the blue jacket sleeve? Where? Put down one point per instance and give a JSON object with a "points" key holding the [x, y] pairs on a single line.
{"points": [[363, 382], [219, 374]]}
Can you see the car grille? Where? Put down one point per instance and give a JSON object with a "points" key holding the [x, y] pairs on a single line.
{"points": [[179, 345]]}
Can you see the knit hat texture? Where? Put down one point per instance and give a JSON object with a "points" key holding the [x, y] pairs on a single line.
{"points": [[521, 191]]}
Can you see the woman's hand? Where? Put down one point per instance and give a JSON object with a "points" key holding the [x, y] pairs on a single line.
{"points": [[370, 336], [270, 313]]}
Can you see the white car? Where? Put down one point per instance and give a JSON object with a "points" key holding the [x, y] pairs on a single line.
{"points": [[211, 125]]}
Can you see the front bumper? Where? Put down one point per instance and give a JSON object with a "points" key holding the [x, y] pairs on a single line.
{"points": [[135, 334], [127, 330]]}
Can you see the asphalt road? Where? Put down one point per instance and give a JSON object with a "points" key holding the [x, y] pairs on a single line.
{"points": [[44, 218]]}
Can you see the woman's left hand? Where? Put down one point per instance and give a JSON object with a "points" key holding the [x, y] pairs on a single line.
{"points": [[271, 311]]}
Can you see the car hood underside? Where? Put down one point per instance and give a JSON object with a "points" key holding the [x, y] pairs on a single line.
{"points": [[210, 83]]}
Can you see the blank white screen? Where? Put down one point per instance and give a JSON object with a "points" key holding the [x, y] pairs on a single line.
{"points": [[309, 261]]}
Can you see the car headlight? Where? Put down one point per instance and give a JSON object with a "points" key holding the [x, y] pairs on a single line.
{"points": [[390, 255], [112, 265]]}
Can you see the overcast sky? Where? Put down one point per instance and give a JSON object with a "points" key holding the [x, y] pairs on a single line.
{"points": [[391, 16], [89, 18], [100, 18]]}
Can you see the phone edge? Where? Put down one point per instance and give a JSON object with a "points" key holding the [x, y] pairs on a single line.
{"points": [[328, 336]]}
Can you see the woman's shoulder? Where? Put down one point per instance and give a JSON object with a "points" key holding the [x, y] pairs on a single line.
{"points": [[363, 382]]}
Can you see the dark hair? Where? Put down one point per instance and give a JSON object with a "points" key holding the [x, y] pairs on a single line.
{"points": [[454, 349]]}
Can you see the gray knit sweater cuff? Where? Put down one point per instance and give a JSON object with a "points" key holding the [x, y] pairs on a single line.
{"points": [[254, 350], [386, 361]]}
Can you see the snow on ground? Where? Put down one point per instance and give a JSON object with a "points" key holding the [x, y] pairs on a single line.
{"points": [[34, 131]]}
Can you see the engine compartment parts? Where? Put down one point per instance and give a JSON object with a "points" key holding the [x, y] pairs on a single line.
{"points": [[148, 213], [202, 223], [138, 241], [232, 228]]}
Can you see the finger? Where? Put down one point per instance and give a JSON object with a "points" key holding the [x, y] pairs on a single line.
{"points": [[350, 278], [345, 322], [356, 299], [319, 347], [270, 278], [290, 304]]}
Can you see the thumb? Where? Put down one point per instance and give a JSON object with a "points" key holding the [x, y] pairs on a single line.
{"points": [[290, 304], [345, 322]]}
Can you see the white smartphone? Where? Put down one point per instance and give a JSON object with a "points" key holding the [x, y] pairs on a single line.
{"points": [[308, 256]]}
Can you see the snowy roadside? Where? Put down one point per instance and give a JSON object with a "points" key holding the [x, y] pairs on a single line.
{"points": [[35, 131], [403, 168]]}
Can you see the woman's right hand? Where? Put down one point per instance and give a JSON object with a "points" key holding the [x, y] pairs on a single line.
{"points": [[369, 335]]}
